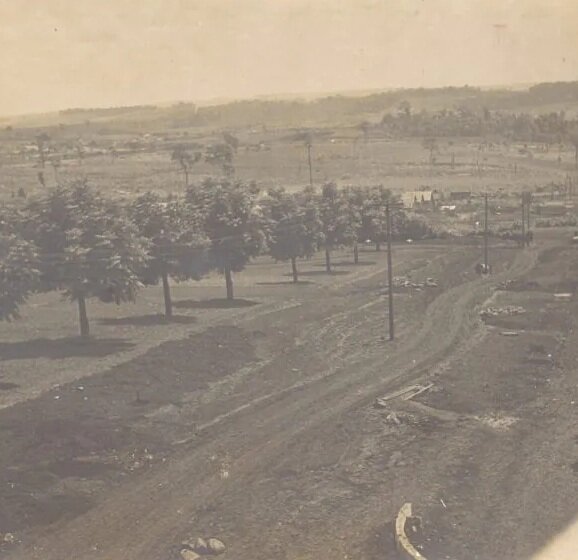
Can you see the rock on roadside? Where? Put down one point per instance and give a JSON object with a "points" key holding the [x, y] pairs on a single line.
{"points": [[216, 546]]}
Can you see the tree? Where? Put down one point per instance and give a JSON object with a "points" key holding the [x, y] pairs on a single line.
{"points": [[55, 162], [221, 155], [80, 151], [177, 243], [41, 143], [431, 145], [231, 140], [87, 246], [293, 228], [336, 224], [378, 198], [356, 198], [368, 214], [113, 153], [186, 160], [19, 272], [233, 222]]}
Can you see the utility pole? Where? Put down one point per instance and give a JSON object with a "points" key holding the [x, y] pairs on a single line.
{"points": [[310, 167], [486, 264], [528, 203], [389, 272], [523, 220]]}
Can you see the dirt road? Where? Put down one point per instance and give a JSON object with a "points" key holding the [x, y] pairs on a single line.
{"points": [[261, 433]]}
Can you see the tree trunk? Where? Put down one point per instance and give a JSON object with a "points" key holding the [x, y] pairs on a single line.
{"points": [[294, 270], [356, 253], [377, 246], [229, 283], [186, 178], [167, 295], [327, 259], [84, 327]]}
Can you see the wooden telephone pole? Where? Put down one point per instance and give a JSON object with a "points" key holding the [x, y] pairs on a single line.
{"points": [[486, 233], [389, 272], [310, 166], [523, 221], [526, 202]]}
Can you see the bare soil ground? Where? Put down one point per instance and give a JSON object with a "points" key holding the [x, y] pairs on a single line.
{"points": [[258, 424]]}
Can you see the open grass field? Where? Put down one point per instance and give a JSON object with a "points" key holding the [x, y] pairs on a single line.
{"points": [[339, 155]]}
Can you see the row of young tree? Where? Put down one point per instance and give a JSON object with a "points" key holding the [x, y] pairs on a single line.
{"points": [[75, 240]]}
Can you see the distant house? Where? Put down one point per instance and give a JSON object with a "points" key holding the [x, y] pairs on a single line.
{"points": [[413, 199]]}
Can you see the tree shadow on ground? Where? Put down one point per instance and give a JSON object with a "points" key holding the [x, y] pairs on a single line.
{"points": [[322, 273], [217, 303], [6, 386], [286, 283], [59, 348], [149, 320], [348, 263]]}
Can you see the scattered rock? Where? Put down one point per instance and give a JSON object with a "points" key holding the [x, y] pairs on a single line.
{"points": [[498, 422], [508, 310], [380, 403], [393, 418], [201, 546], [405, 282], [7, 538], [215, 546], [394, 459], [518, 285], [188, 554]]}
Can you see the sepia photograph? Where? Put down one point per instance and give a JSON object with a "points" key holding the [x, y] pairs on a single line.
{"points": [[289, 279]]}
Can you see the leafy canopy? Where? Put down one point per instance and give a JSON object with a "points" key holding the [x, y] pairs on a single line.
{"points": [[232, 220], [19, 274], [177, 241], [338, 227], [293, 226], [88, 247]]}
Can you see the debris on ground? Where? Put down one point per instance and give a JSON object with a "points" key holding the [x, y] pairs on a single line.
{"points": [[518, 285], [137, 459], [418, 391], [191, 550], [497, 422], [509, 333], [394, 459], [7, 538], [508, 310], [201, 546], [216, 546], [405, 282], [563, 297], [381, 402]]}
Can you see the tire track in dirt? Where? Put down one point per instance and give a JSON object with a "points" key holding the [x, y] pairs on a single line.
{"points": [[147, 515]]}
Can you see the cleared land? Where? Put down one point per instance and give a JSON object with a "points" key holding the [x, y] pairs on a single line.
{"points": [[258, 424]]}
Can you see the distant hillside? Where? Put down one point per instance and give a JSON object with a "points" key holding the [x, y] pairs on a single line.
{"points": [[333, 109]]}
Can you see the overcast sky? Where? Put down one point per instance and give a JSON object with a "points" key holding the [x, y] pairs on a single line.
{"points": [[73, 53]]}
